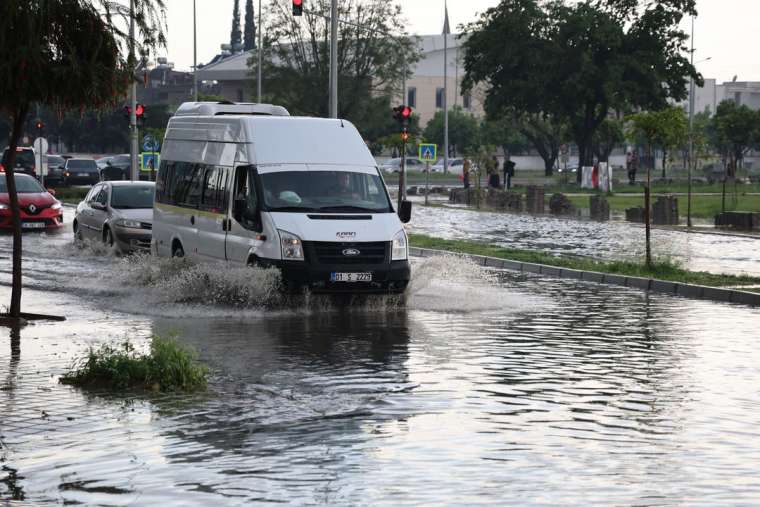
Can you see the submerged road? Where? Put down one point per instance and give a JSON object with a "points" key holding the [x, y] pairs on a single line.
{"points": [[485, 388]]}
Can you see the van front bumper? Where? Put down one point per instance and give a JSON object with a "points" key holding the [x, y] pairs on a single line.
{"points": [[387, 278]]}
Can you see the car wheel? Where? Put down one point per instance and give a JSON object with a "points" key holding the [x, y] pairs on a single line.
{"points": [[78, 238], [110, 242], [178, 251]]}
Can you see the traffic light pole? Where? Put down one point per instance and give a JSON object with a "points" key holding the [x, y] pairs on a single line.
{"points": [[402, 177], [334, 59], [133, 152]]}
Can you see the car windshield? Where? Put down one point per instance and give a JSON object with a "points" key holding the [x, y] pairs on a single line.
{"points": [[330, 191], [24, 158], [54, 161], [132, 196], [24, 185], [82, 164]]}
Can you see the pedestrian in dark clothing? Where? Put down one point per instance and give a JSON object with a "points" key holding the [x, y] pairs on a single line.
{"points": [[509, 172], [466, 173]]}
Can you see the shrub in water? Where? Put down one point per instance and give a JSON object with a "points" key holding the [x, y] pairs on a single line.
{"points": [[168, 367]]}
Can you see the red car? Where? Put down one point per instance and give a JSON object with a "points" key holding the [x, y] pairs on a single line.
{"points": [[39, 209]]}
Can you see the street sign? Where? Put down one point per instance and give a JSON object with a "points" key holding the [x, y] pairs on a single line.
{"points": [[428, 152], [149, 161], [150, 143]]}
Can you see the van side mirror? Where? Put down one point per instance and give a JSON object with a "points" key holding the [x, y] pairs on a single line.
{"points": [[405, 211]]}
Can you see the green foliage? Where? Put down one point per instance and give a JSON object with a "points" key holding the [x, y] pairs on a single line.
{"points": [[370, 64], [736, 128], [505, 133], [168, 367], [660, 269], [464, 130], [609, 135], [666, 129], [546, 134], [236, 36], [249, 31], [577, 61]]}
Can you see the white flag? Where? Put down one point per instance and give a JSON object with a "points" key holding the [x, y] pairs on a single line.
{"points": [[446, 29]]}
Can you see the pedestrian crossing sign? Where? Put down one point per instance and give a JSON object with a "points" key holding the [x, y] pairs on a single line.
{"points": [[428, 152]]}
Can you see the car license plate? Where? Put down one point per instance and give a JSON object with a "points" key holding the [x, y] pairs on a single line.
{"points": [[83, 175], [33, 225], [350, 277]]}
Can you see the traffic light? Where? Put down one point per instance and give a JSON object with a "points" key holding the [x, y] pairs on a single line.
{"points": [[403, 115], [39, 125], [297, 7], [140, 114], [405, 136]]}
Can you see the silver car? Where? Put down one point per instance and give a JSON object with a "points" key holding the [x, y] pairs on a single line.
{"points": [[118, 213]]}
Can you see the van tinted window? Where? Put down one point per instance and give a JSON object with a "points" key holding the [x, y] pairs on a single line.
{"points": [[214, 196], [189, 185], [165, 174]]}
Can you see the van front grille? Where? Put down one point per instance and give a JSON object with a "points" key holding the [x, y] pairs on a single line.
{"points": [[331, 253]]}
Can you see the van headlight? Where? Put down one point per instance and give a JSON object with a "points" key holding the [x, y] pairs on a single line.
{"points": [[291, 245], [399, 249]]}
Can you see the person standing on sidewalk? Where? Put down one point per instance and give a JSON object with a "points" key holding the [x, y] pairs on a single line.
{"points": [[509, 172]]}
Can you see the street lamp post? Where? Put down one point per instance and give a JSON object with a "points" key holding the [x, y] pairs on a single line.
{"points": [[259, 51], [133, 150], [691, 130], [195, 56]]}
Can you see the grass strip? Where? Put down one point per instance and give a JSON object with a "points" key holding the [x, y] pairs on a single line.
{"points": [[168, 366], [71, 195], [702, 206], [661, 269]]}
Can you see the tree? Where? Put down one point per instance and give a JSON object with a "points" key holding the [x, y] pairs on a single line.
{"points": [[463, 130], [546, 134], [609, 135], [235, 35], [371, 64], [658, 128], [249, 31], [577, 62], [503, 133], [67, 54], [736, 129]]}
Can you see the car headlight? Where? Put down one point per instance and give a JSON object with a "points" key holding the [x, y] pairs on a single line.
{"points": [[3, 206], [128, 223], [292, 247], [399, 251], [56, 205]]}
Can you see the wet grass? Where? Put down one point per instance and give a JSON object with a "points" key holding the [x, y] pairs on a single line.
{"points": [[662, 269], [168, 366]]}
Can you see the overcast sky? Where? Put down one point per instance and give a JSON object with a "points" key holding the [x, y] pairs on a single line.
{"points": [[725, 31]]}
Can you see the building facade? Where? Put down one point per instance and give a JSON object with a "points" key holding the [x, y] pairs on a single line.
{"points": [[707, 97], [424, 90]]}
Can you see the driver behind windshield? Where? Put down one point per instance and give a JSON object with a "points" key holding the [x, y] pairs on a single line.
{"points": [[343, 187]]}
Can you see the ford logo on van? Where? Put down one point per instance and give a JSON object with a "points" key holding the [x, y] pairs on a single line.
{"points": [[351, 252]]}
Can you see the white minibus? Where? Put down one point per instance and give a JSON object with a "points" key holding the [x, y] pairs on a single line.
{"points": [[249, 184]]}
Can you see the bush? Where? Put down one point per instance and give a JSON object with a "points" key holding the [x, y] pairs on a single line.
{"points": [[168, 367]]}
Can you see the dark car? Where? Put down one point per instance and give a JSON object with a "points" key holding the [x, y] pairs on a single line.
{"points": [[80, 171], [116, 168], [25, 160], [54, 176]]}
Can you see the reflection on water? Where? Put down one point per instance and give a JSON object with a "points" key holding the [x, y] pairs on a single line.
{"points": [[487, 388], [606, 240]]}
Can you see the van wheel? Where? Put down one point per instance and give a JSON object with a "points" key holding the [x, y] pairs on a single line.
{"points": [[177, 250]]}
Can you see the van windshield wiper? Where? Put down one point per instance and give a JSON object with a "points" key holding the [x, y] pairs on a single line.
{"points": [[351, 208], [290, 208]]}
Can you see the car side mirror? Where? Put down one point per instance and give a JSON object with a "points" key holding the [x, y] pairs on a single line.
{"points": [[50, 191], [98, 205], [405, 211]]}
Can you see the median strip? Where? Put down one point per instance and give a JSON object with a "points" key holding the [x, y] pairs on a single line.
{"points": [[664, 276]]}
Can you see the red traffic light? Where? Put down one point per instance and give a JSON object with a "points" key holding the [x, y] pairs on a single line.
{"points": [[406, 112], [139, 110], [297, 7]]}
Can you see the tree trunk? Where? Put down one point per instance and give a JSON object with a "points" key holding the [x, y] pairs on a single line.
{"points": [[584, 151], [664, 162], [647, 220], [18, 126]]}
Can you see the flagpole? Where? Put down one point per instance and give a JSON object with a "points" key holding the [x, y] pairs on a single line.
{"points": [[445, 90]]}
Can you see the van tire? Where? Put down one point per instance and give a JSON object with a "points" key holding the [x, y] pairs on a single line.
{"points": [[177, 250]]}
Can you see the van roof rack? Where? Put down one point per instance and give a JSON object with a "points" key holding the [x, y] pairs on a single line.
{"points": [[229, 108]]}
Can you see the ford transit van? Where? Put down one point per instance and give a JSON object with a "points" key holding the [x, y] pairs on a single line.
{"points": [[248, 184]]}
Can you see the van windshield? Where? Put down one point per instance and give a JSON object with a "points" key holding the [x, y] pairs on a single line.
{"points": [[329, 191]]}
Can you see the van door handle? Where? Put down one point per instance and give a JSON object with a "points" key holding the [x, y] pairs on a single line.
{"points": [[192, 220]]}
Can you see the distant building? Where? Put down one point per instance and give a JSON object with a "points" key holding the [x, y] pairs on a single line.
{"points": [[164, 85], [707, 97], [424, 90]]}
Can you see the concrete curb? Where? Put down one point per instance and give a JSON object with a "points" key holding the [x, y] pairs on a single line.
{"points": [[649, 284]]}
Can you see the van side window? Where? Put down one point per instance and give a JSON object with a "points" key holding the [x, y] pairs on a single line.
{"points": [[214, 190], [189, 185], [246, 203], [163, 180]]}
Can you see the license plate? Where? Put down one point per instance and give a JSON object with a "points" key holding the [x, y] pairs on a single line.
{"points": [[33, 225], [350, 277], [83, 175]]}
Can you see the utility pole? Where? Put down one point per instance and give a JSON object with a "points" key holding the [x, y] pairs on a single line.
{"points": [[334, 59], [691, 130], [133, 152], [446, 32], [195, 56], [259, 51]]}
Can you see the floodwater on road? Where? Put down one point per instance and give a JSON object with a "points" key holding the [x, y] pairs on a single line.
{"points": [[715, 253], [485, 388]]}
